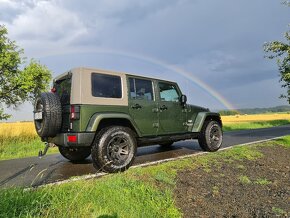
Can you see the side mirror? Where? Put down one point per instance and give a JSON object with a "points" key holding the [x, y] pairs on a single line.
{"points": [[183, 100]]}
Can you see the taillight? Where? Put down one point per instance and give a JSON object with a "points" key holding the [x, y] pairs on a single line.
{"points": [[72, 138], [53, 90], [74, 112]]}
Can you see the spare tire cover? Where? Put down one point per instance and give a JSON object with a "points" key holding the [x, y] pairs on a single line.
{"points": [[47, 115]]}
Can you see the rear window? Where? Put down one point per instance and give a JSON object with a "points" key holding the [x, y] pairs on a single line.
{"points": [[106, 86], [63, 89]]}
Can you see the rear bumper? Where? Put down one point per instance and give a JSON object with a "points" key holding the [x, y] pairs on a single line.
{"points": [[84, 139]]}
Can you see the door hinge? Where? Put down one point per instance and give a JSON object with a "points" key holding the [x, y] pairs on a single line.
{"points": [[155, 125], [155, 110], [188, 123]]}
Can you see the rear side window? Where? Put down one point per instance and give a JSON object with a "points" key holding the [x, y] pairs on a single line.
{"points": [[63, 89], [141, 89], [106, 86]]}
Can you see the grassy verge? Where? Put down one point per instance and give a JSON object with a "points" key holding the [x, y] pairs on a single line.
{"points": [[21, 146], [140, 192], [253, 125]]}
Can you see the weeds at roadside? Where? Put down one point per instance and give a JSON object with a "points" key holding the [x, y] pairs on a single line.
{"points": [[244, 180], [278, 211], [240, 167], [215, 190], [262, 182]]}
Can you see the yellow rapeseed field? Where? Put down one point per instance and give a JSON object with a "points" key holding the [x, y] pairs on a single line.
{"points": [[255, 118], [28, 129], [17, 129]]}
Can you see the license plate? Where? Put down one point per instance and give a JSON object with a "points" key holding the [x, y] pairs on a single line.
{"points": [[38, 116]]}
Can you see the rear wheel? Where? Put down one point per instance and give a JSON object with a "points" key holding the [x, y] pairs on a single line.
{"points": [[211, 136], [75, 154], [114, 149]]}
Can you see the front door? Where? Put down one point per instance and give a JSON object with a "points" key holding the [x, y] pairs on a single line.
{"points": [[143, 106], [172, 115]]}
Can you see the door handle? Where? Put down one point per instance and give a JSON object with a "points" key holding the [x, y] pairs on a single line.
{"points": [[163, 107], [136, 106]]}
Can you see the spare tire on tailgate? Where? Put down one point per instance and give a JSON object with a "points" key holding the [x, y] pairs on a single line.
{"points": [[47, 115]]}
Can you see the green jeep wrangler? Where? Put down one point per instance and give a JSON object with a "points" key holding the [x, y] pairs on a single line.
{"points": [[108, 115]]}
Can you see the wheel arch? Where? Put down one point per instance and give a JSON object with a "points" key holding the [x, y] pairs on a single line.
{"points": [[100, 121], [202, 117]]}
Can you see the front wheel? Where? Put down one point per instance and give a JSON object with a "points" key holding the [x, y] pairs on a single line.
{"points": [[211, 136], [75, 154], [114, 149]]}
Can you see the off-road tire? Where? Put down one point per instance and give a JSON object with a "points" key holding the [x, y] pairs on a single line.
{"points": [[75, 154], [49, 104], [166, 144], [211, 136], [114, 149]]}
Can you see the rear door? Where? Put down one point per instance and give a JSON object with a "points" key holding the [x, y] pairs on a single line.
{"points": [[142, 105], [172, 115]]}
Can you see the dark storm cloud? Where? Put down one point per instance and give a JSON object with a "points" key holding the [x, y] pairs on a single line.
{"points": [[9, 11], [219, 42]]}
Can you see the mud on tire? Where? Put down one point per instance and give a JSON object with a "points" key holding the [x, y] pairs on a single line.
{"points": [[47, 115], [211, 136], [114, 149]]}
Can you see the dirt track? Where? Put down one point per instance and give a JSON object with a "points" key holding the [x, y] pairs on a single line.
{"points": [[239, 188]]}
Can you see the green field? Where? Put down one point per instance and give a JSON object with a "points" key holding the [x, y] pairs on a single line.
{"points": [[139, 192], [254, 125], [20, 147]]}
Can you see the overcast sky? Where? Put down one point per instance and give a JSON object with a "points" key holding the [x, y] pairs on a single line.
{"points": [[213, 49]]}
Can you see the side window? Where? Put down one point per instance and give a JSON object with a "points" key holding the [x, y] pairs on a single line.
{"points": [[168, 92], [106, 86], [141, 89], [63, 89]]}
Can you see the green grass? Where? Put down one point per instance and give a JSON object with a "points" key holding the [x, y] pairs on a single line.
{"points": [[139, 192], [259, 181], [278, 211], [262, 181], [20, 147], [285, 141], [254, 125], [119, 195], [245, 180]]}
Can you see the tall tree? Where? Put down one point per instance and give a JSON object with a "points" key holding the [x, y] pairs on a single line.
{"points": [[281, 51], [16, 85]]}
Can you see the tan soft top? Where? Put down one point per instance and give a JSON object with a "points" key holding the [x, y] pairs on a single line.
{"points": [[85, 70], [82, 86]]}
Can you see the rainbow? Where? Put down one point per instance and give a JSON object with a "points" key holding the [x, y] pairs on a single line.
{"points": [[164, 65]]}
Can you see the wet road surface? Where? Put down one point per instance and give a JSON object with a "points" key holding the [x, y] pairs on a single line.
{"points": [[27, 172]]}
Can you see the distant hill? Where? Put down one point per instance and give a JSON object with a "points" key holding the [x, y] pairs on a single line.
{"points": [[277, 109]]}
